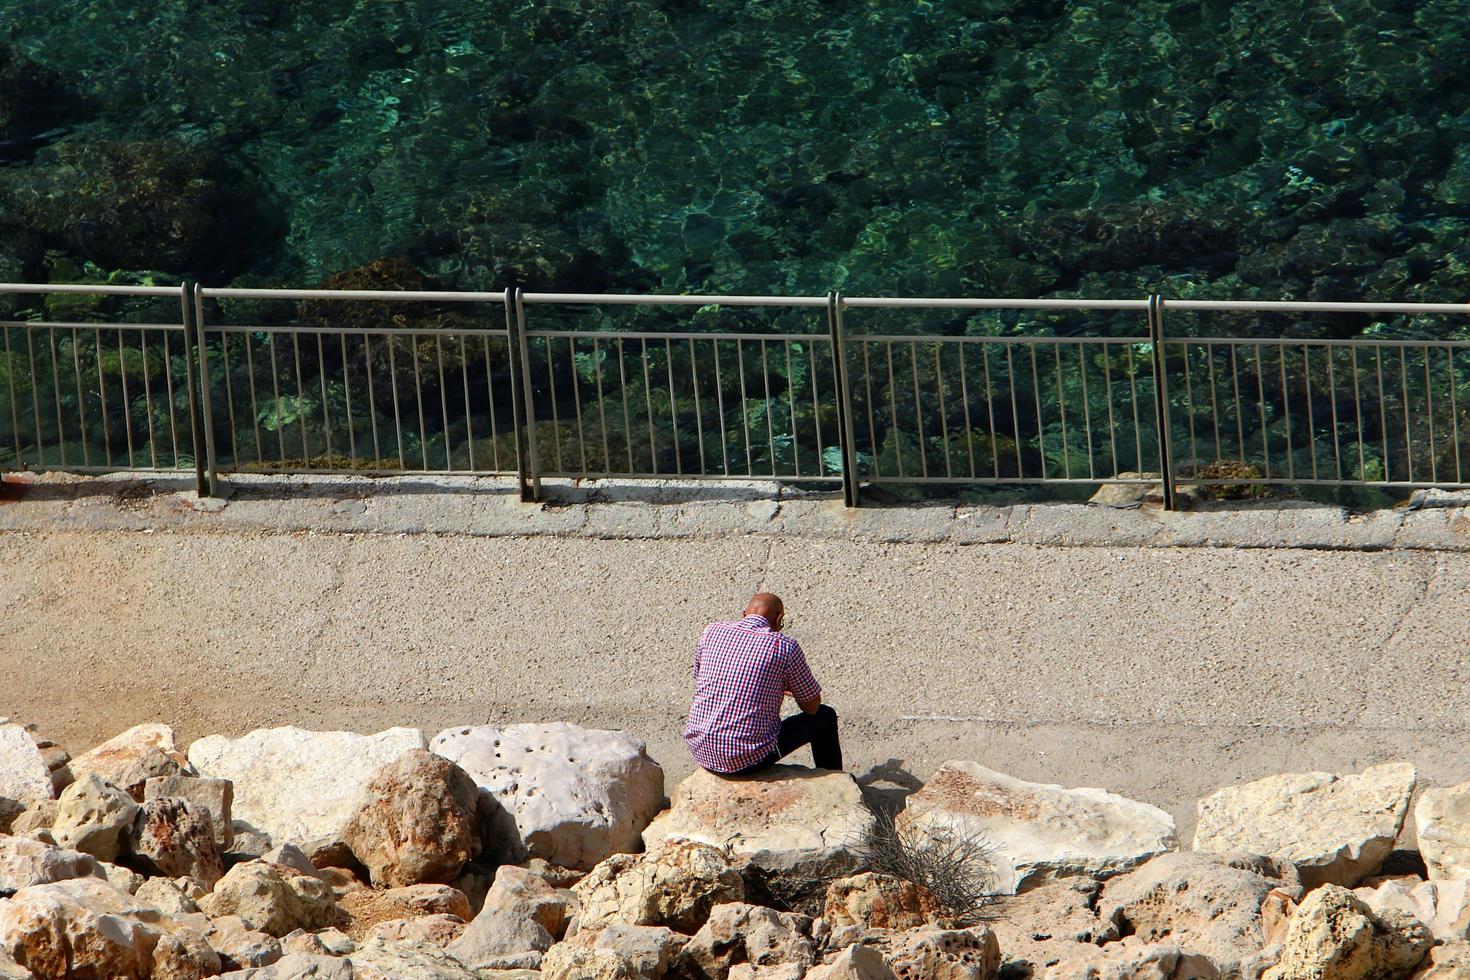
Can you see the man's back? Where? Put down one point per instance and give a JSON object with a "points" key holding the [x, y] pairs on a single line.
{"points": [[742, 672]]}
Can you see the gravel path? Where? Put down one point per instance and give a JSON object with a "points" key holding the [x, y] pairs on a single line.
{"points": [[1159, 673]]}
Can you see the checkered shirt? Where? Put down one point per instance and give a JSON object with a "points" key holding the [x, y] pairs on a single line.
{"points": [[742, 672]]}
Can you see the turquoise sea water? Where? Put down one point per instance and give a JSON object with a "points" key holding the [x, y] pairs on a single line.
{"points": [[1249, 149]]}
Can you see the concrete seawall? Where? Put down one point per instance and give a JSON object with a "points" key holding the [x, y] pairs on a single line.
{"points": [[1160, 665]]}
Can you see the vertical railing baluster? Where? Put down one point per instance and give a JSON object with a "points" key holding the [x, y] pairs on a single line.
{"points": [[844, 401], [1161, 398]]}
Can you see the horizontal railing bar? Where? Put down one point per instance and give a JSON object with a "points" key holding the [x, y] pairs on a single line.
{"points": [[92, 470], [409, 295], [651, 299], [265, 469], [966, 339], [899, 303], [103, 290], [1272, 306], [679, 477], [1006, 480], [1310, 342], [81, 325], [672, 335], [377, 331]]}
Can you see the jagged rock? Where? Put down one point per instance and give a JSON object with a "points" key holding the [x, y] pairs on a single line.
{"points": [[365, 908], [572, 961], [939, 954], [215, 795], [1442, 822], [129, 760], [11, 970], [854, 963], [421, 961], [291, 856], [416, 822], [241, 947], [875, 901], [496, 940], [786, 819], [95, 817], [440, 930], [1204, 903], [272, 899], [124, 879], [1048, 924], [740, 933], [24, 778], [1334, 935], [1040, 831], [25, 862], [1132, 960], [1443, 906], [519, 892], [299, 966], [40, 815], [168, 896], [176, 838], [1336, 829], [84, 927], [570, 795], [649, 950], [673, 885], [298, 786], [1448, 962]]}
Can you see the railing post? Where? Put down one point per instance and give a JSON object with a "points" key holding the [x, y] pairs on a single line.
{"points": [[528, 461], [186, 312], [205, 397], [1161, 399], [844, 401]]}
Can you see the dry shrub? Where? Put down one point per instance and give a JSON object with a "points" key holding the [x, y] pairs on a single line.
{"points": [[955, 865]]}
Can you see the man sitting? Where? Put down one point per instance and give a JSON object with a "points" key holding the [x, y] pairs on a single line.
{"points": [[742, 673]]}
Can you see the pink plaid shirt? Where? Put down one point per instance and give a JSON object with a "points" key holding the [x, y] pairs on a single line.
{"points": [[742, 672]]}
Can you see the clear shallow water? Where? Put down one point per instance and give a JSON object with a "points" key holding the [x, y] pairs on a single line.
{"points": [[1203, 149]]}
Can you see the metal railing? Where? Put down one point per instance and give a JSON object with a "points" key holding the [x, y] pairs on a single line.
{"points": [[818, 389]]}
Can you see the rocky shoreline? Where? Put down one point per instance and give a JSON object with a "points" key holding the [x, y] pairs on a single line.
{"points": [[551, 851]]}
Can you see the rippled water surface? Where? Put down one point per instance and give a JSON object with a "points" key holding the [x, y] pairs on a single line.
{"points": [[1040, 148]]}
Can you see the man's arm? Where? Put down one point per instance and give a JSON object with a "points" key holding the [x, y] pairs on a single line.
{"points": [[800, 683]]}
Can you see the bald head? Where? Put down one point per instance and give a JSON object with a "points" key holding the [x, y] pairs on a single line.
{"points": [[768, 605]]}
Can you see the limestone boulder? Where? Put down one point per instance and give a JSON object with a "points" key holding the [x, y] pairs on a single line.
{"points": [[129, 760], [674, 884], [241, 947], [24, 777], [298, 966], [175, 838], [1335, 829], [125, 879], [172, 897], [1334, 935], [739, 933], [1050, 923], [941, 954], [272, 898], [380, 960], [807, 822], [519, 891], [297, 786], [1204, 903], [365, 908], [1442, 821], [877, 901], [440, 930], [1134, 960], [40, 815], [1442, 905], [650, 950], [95, 817], [496, 940], [574, 961], [416, 821], [1448, 962], [84, 927], [215, 795], [854, 963], [573, 796], [1040, 831], [25, 862]]}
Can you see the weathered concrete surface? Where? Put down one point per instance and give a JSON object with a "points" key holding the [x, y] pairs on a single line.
{"points": [[1158, 672]]}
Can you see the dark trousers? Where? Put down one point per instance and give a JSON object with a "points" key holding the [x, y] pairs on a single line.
{"points": [[819, 730]]}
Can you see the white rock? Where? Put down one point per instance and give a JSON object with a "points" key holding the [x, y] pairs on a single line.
{"points": [[1333, 935], [25, 862], [130, 759], [378, 960], [95, 817], [570, 795], [298, 786], [1442, 820], [854, 963], [786, 819], [24, 778], [497, 940], [1335, 829], [1136, 961], [1040, 831], [1443, 906]]}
